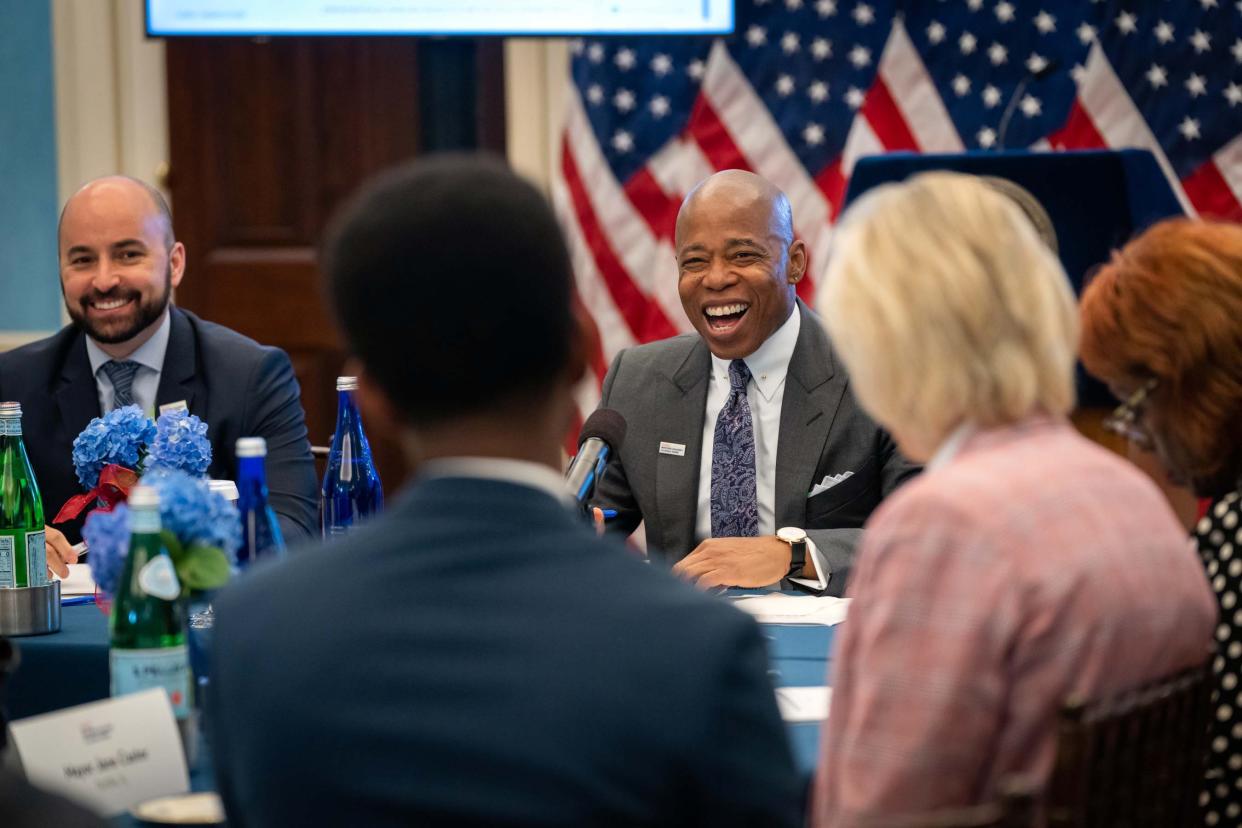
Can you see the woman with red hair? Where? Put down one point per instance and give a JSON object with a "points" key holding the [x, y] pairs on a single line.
{"points": [[1162, 325]]}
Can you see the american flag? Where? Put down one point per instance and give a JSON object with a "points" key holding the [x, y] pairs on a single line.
{"points": [[804, 88]]}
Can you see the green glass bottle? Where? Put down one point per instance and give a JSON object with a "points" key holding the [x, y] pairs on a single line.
{"points": [[147, 623], [23, 555]]}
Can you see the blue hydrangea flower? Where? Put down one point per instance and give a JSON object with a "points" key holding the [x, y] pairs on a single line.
{"points": [[107, 538], [180, 443], [194, 513], [121, 436]]}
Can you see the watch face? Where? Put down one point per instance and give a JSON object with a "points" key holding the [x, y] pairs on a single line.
{"points": [[791, 534]]}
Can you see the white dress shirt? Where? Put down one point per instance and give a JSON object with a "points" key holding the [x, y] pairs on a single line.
{"points": [[150, 359], [765, 393]]}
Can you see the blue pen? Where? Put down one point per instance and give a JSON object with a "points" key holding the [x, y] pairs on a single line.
{"points": [[609, 514]]}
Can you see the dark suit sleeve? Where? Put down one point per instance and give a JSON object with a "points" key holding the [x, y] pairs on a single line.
{"points": [[274, 412], [746, 772], [613, 489]]}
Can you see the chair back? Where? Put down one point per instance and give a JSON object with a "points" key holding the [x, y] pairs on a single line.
{"points": [[1136, 759]]}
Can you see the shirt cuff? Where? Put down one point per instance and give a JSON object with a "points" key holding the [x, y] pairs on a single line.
{"points": [[818, 584]]}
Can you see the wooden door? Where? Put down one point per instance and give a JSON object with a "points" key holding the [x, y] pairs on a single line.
{"points": [[268, 136]]}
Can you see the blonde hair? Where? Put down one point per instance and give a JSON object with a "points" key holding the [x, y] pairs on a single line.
{"points": [[946, 307]]}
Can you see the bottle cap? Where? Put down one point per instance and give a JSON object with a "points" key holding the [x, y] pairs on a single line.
{"points": [[12, 410], [346, 383], [251, 447], [225, 488], [143, 496]]}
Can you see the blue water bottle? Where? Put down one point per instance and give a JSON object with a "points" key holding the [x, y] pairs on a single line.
{"points": [[351, 487], [261, 536]]}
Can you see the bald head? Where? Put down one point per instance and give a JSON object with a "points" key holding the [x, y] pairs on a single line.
{"points": [[112, 191], [739, 189]]}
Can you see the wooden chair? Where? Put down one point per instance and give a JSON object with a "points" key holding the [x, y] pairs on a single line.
{"points": [[1134, 760]]}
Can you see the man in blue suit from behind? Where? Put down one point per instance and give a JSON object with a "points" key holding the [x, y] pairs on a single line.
{"points": [[477, 656]]}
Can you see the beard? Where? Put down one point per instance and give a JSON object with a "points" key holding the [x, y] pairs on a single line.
{"points": [[114, 331]]}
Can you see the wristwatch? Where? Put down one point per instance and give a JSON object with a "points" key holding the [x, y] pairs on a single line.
{"points": [[796, 538]]}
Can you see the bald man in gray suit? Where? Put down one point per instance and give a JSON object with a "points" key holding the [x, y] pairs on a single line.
{"points": [[746, 454]]}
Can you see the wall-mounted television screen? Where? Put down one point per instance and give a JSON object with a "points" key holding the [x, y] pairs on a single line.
{"points": [[252, 18]]}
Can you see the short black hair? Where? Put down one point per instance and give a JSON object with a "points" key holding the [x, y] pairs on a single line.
{"points": [[451, 281]]}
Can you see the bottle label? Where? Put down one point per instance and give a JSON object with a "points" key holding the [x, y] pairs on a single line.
{"points": [[144, 521], [11, 428], [8, 562], [36, 558], [167, 667], [159, 578]]}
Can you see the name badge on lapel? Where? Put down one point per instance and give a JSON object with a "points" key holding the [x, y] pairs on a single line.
{"points": [[674, 449], [179, 405]]}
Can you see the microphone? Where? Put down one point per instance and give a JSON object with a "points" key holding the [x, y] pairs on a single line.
{"points": [[601, 436], [1044, 71]]}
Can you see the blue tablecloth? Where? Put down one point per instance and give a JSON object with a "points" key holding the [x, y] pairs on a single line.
{"points": [[71, 667]]}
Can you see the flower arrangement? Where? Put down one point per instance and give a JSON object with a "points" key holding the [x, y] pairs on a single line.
{"points": [[113, 450], [200, 528]]}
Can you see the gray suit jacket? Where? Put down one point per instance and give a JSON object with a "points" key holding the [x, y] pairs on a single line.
{"points": [[661, 390]]}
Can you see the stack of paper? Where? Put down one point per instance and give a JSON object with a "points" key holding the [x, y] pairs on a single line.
{"points": [[79, 582], [803, 704], [794, 609]]}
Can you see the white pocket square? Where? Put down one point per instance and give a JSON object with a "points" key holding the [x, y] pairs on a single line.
{"points": [[828, 482]]}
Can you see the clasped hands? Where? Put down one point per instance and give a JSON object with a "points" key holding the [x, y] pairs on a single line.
{"points": [[739, 562]]}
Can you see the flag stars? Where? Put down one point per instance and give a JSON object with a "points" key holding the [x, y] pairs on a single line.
{"points": [[623, 100], [784, 86], [1157, 76], [1036, 63], [1030, 106], [595, 94], [1086, 33], [991, 96], [821, 48], [756, 36], [826, 8], [659, 107], [813, 134], [854, 97], [1236, 48], [622, 141], [790, 42], [1189, 128], [961, 85], [974, 5], [1004, 12], [1233, 94], [935, 32], [986, 137], [595, 53], [967, 43], [1078, 73], [696, 69], [1202, 41], [1164, 31], [998, 54], [860, 56], [1207, 4], [577, 46], [1045, 23], [625, 59], [1196, 85], [661, 64], [863, 14], [817, 91], [1127, 22], [793, 5]]}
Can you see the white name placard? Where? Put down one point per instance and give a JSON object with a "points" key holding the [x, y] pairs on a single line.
{"points": [[107, 755]]}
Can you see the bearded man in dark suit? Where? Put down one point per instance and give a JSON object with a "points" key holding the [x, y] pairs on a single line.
{"points": [[128, 344]]}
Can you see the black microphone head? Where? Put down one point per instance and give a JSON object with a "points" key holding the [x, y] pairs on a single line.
{"points": [[604, 424]]}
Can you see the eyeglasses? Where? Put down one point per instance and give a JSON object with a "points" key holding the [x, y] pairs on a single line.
{"points": [[1124, 421]]}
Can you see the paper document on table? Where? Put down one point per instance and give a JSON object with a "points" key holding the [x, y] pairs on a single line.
{"points": [[803, 704], [79, 582], [794, 609]]}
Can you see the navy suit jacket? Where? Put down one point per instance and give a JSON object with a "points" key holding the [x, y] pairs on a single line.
{"points": [[236, 386], [476, 656]]}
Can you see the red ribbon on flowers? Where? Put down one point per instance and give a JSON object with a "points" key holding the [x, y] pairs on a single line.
{"points": [[113, 488]]}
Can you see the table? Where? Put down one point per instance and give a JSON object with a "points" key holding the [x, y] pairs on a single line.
{"points": [[71, 667]]}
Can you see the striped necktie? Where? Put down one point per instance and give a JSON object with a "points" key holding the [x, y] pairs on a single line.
{"points": [[122, 376]]}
